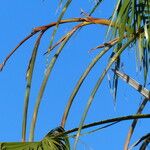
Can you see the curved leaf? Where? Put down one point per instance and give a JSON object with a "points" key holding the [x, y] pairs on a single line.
{"points": [[90, 100]]}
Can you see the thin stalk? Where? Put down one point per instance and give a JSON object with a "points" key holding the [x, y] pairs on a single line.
{"points": [[90, 100], [91, 20], [28, 86], [134, 123], [101, 21], [141, 89], [58, 22], [46, 77], [14, 50], [80, 81], [95, 7], [118, 119], [96, 130], [41, 92], [62, 134], [145, 138]]}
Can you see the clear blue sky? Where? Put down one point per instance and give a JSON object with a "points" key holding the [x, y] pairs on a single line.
{"points": [[18, 18]]}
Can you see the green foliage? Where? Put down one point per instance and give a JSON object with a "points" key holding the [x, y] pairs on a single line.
{"points": [[50, 142], [68, 2], [132, 17], [28, 86], [129, 26], [95, 7]]}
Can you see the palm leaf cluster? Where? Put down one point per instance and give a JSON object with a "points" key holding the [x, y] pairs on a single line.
{"points": [[132, 18], [51, 142], [129, 25]]}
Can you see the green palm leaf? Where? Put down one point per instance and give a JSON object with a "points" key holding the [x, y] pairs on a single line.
{"points": [[142, 90], [131, 17], [28, 86], [97, 85], [68, 2], [50, 142], [95, 7], [46, 77], [82, 78]]}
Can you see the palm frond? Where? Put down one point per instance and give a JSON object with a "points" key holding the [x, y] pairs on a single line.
{"points": [[29, 75], [115, 77], [134, 123], [145, 144], [145, 139], [97, 85], [95, 7], [50, 142], [130, 17], [60, 142], [142, 90], [83, 77], [46, 77], [68, 2]]}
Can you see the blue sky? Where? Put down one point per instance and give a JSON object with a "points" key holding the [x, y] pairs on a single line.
{"points": [[18, 18]]}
